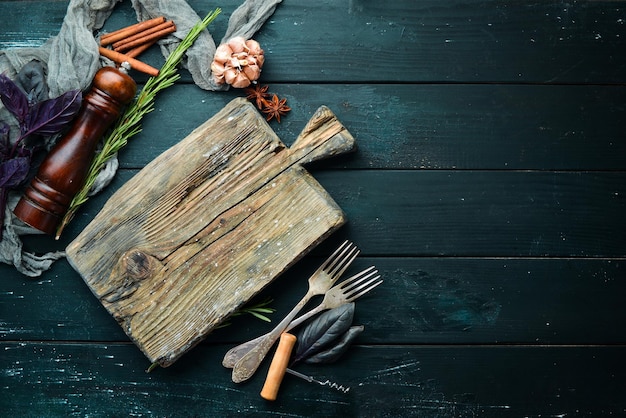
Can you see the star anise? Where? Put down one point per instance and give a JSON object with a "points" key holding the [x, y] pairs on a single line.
{"points": [[258, 94], [275, 108]]}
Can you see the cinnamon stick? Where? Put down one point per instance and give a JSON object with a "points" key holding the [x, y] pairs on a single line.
{"points": [[152, 34], [135, 64], [131, 30], [135, 52]]}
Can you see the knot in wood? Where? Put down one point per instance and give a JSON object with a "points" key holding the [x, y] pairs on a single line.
{"points": [[138, 265]]}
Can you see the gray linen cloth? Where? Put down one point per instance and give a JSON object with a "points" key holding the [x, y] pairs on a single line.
{"points": [[71, 59]]}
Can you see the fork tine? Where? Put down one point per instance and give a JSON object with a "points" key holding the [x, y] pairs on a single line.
{"points": [[357, 278], [344, 263], [340, 256], [331, 259], [364, 288], [350, 287]]}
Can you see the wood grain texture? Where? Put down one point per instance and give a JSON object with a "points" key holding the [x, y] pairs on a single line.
{"points": [[207, 225]]}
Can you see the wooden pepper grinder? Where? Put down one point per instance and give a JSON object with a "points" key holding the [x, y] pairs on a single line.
{"points": [[65, 168]]}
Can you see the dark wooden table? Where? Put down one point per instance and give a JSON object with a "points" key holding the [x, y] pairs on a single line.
{"points": [[489, 188]]}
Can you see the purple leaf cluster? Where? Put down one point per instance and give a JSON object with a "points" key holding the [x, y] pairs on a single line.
{"points": [[47, 117], [43, 118], [13, 99], [50, 116]]}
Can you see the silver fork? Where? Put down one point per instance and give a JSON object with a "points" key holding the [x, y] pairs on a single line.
{"points": [[319, 283], [345, 292], [332, 299]]}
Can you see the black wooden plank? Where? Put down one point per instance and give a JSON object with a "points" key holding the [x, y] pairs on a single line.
{"points": [[483, 213], [428, 126], [423, 300], [480, 301], [465, 213], [426, 41], [455, 41], [384, 381], [492, 381], [30, 24]]}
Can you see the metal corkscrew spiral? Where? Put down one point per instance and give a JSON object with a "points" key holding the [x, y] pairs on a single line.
{"points": [[328, 383]]}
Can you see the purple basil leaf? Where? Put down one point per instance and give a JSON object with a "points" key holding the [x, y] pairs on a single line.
{"points": [[5, 145], [5, 141], [23, 152], [50, 116], [13, 98], [14, 171]]}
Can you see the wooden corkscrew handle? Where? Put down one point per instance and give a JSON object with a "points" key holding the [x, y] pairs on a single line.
{"points": [[278, 366], [64, 170]]}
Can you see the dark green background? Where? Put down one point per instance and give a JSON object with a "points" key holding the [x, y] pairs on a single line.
{"points": [[489, 188]]}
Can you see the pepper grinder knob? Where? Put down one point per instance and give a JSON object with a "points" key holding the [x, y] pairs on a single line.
{"points": [[64, 170]]}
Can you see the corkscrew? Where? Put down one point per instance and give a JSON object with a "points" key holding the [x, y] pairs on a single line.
{"points": [[278, 368], [328, 383]]}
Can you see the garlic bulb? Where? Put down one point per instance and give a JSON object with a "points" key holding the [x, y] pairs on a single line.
{"points": [[237, 62]]}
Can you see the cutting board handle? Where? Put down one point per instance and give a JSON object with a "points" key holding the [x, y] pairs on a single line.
{"points": [[323, 136]]}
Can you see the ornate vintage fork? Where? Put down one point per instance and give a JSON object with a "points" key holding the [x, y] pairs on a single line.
{"points": [[345, 292], [319, 283], [333, 299]]}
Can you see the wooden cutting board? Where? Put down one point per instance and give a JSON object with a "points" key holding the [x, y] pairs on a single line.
{"points": [[206, 225]]}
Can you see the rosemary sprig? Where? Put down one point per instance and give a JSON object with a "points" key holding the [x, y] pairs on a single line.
{"points": [[258, 310], [130, 122]]}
